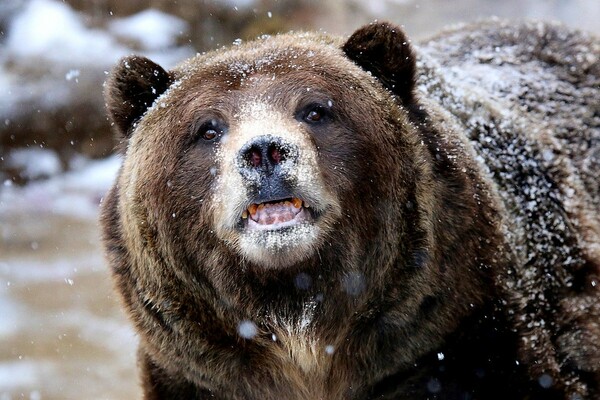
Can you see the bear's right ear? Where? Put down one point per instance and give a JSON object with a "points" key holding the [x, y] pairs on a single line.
{"points": [[130, 90], [384, 50]]}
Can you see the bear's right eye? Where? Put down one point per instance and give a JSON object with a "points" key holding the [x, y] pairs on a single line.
{"points": [[209, 134], [210, 131]]}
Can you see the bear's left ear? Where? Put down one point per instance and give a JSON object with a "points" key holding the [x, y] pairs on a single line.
{"points": [[384, 50], [130, 90]]}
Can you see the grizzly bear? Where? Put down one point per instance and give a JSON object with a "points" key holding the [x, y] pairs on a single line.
{"points": [[308, 217]]}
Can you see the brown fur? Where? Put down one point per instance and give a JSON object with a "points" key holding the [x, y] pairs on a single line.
{"points": [[422, 277]]}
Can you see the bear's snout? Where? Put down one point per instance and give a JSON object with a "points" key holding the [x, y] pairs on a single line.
{"points": [[267, 164], [265, 153]]}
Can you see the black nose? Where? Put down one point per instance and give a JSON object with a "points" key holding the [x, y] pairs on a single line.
{"points": [[266, 155], [267, 164]]}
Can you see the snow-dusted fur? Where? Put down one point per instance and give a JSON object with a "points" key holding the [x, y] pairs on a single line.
{"points": [[527, 98], [449, 247]]}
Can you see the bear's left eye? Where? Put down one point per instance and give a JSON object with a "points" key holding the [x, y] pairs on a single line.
{"points": [[314, 114]]}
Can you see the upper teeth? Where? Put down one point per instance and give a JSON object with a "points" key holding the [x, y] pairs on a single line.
{"points": [[254, 208]]}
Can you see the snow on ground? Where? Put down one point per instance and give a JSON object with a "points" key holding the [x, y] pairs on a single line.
{"points": [[62, 331], [76, 193], [65, 39], [153, 29], [68, 40], [39, 58], [34, 163]]}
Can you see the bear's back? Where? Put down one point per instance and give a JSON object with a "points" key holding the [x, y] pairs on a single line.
{"points": [[525, 98], [538, 80]]}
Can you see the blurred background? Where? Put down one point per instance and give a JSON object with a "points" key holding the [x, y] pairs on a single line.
{"points": [[62, 333]]}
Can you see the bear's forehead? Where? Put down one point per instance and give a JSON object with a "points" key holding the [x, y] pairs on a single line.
{"points": [[279, 71], [272, 57], [285, 72]]}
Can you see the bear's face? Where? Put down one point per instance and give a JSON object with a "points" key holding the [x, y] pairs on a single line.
{"points": [[269, 148]]}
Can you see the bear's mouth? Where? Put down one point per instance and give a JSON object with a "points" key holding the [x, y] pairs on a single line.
{"points": [[278, 214]]}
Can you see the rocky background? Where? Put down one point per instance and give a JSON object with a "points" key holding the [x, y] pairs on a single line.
{"points": [[62, 334]]}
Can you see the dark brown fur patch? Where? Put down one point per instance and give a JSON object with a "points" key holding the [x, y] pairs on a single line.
{"points": [[132, 88]]}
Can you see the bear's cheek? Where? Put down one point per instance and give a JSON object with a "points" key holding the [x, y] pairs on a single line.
{"points": [[168, 182]]}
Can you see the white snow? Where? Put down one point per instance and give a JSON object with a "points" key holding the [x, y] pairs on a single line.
{"points": [[58, 330], [51, 57], [21, 373], [152, 29], [51, 30], [247, 329], [76, 193], [34, 162], [237, 4], [545, 381], [10, 310]]}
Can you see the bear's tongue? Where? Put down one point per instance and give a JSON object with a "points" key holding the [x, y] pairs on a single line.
{"points": [[275, 213]]}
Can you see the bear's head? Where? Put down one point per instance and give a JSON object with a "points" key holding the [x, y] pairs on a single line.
{"points": [[268, 151], [297, 182]]}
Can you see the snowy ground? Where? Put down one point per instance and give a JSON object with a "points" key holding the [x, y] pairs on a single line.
{"points": [[62, 333]]}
